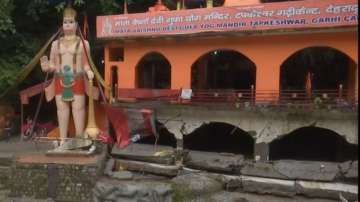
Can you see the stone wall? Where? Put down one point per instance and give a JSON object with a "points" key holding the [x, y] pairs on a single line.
{"points": [[58, 181], [66, 181], [6, 161]]}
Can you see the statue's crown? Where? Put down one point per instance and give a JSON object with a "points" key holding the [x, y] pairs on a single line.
{"points": [[69, 12]]}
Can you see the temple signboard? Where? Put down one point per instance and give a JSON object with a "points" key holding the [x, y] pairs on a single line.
{"points": [[260, 17]]}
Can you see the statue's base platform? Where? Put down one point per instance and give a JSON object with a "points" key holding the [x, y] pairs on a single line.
{"points": [[60, 175]]}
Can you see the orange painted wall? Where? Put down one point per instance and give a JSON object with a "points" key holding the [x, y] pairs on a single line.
{"points": [[267, 52]]}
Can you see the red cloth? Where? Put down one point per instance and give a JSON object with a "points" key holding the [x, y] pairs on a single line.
{"points": [[118, 119], [78, 87], [129, 122]]}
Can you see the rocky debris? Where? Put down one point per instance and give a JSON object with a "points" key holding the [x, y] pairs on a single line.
{"points": [[215, 162], [307, 170], [327, 190], [146, 153], [268, 186], [167, 170], [349, 170], [131, 191], [197, 184]]}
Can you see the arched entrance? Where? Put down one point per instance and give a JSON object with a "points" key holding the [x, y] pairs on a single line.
{"points": [[318, 72], [153, 71], [314, 144], [223, 69], [220, 137]]}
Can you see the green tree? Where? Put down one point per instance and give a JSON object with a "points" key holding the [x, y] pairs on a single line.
{"points": [[25, 26]]}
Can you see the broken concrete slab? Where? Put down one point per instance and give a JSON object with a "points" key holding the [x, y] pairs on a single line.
{"points": [[261, 169], [144, 152], [138, 166], [327, 190], [349, 170], [253, 197], [307, 170], [214, 162], [197, 184], [268, 186]]}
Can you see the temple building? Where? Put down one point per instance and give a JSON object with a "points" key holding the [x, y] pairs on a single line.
{"points": [[241, 76]]}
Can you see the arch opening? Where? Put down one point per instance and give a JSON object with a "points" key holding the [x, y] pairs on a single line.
{"points": [[313, 144], [315, 71], [220, 137], [223, 69], [153, 71]]}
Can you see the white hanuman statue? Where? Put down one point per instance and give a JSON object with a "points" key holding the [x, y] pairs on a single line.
{"points": [[69, 63]]}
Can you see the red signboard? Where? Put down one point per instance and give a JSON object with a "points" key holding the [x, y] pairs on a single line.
{"points": [[266, 16]]}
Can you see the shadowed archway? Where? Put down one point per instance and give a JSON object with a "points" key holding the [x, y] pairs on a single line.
{"points": [[220, 137], [319, 69], [153, 71], [223, 69], [314, 144]]}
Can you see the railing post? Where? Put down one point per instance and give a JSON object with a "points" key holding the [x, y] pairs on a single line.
{"points": [[116, 92], [340, 91], [252, 97]]}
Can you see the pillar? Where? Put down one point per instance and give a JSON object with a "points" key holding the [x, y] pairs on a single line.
{"points": [[180, 71], [261, 151], [127, 72], [267, 78]]}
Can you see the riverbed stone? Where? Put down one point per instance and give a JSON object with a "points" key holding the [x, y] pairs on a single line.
{"points": [[197, 183], [132, 191]]}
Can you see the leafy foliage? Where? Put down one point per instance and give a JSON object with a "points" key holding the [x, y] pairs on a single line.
{"points": [[6, 24]]}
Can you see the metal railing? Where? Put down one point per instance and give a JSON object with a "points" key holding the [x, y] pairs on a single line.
{"points": [[331, 98]]}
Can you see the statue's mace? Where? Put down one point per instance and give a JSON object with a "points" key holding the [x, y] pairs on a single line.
{"points": [[91, 130]]}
